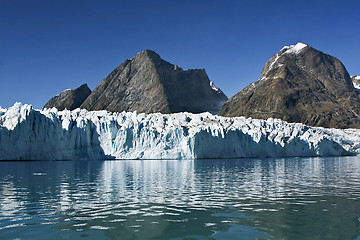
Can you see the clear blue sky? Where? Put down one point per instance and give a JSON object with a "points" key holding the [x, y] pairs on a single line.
{"points": [[51, 45]]}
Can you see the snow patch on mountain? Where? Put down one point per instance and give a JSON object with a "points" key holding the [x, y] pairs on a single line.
{"points": [[357, 86], [292, 49], [356, 81], [296, 48], [273, 63], [30, 134], [215, 88], [66, 90]]}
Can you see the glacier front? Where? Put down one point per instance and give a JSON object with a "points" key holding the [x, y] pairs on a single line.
{"points": [[30, 134]]}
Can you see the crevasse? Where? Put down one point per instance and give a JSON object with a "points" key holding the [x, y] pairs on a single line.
{"points": [[30, 134]]}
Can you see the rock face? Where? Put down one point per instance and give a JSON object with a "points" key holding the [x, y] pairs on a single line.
{"points": [[69, 99], [149, 84], [300, 84]]}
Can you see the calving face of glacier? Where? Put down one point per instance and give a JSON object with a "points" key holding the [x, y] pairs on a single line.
{"points": [[30, 134]]}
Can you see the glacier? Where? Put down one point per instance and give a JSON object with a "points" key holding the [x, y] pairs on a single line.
{"points": [[30, 134]]}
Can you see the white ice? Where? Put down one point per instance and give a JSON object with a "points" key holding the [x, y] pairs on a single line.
{"points": [[27, 134]]}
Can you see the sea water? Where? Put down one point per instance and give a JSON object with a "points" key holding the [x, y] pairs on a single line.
{"points": [[292, 198]]}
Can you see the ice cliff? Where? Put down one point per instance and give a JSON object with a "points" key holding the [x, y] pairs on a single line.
{"points": [[30, 134]]}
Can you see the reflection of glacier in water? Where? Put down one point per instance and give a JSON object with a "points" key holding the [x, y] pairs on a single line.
{"points": [[149, 181], [248, 198]]}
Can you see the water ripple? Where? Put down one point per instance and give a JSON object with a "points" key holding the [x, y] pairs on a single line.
{"points": [[175, 199]]}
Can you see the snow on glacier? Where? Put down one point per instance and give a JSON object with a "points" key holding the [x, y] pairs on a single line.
{"points": [[30, 134]]}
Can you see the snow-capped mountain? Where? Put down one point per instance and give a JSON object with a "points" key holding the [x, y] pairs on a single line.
{"points": [[300, 84]]}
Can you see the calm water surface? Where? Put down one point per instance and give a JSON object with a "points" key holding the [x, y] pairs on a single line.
{"points": [[293, 198]]}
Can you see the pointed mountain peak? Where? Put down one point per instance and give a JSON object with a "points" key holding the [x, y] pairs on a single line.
{"points": [[148, 54], [147, 83], [296, 54], [84, 86]]}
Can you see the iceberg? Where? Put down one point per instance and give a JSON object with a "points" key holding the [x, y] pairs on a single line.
{"points": [[30, 134]]}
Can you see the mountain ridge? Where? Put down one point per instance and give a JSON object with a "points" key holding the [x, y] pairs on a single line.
{"points": [[147, 83]]}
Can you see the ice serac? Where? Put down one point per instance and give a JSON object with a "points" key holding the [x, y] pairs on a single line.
{"points": [[149, 84], [69, 99], [300, 84], [29, 134]]}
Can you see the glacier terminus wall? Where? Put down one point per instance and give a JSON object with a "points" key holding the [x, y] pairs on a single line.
{"points": [[30, 134]]}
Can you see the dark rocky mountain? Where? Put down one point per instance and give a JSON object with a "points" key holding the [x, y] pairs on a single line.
{"points": [[149, 84], [300, 84], [69, 99]]}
